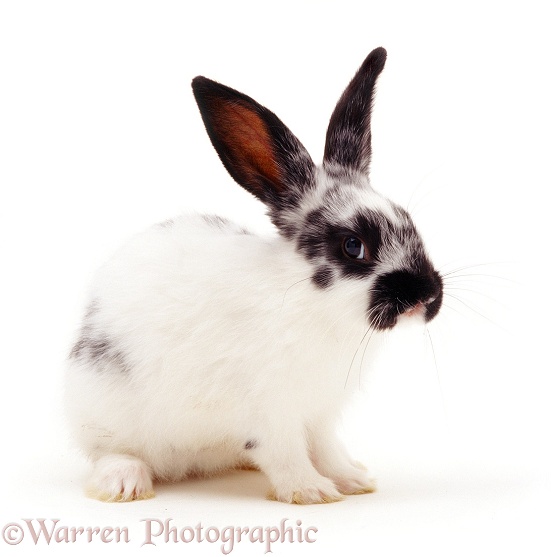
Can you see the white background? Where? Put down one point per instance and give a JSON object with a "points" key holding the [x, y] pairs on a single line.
{"points": [[100, 137]]}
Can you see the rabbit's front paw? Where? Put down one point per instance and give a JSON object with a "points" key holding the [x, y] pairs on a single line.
{"points": [[119, 478], [320, 490], [354, 481]]}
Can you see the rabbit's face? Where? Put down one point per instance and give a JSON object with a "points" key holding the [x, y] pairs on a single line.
{"points": [[351, 233]]}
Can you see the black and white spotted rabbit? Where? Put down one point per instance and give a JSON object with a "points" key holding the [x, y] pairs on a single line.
{"points": [[205, 347]]}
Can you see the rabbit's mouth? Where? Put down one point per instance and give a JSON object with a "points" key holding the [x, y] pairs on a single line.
{"points": [[405, 293]]}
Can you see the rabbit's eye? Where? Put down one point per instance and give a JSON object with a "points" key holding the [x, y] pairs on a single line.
{"points": [[354, 248]]}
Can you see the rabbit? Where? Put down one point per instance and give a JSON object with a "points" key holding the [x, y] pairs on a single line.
{"points": [[206, 347]]}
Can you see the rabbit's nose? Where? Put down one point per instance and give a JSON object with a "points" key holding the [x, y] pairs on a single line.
{"points": [[415, 310]]}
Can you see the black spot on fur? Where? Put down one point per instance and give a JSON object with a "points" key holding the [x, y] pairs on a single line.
{"points": [[251, 444], [323, 277]]}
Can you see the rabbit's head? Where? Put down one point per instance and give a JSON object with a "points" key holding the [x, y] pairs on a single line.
{"points": [[332, 215]]}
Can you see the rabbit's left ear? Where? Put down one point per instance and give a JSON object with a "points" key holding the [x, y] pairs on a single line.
{"points": [[348, 141], [257, 149]]}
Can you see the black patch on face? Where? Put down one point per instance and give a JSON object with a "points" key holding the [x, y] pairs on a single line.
{"points": [[323, 277], [251, 444], [396, 292], [323, 239]]}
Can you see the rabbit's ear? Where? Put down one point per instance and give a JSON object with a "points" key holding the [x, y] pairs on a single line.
{"points": [[348, 141], [257, 149]]}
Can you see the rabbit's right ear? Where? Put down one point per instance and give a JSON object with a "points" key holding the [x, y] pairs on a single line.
{"points": [[348, 141], [257, 149]]}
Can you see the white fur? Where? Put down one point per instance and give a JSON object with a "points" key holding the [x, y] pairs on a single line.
{"points": [[226, 340]]}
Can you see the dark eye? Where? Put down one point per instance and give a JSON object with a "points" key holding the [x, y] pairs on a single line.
{"points": [[353, 247]]}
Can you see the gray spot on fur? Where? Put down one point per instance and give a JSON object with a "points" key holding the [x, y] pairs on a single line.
{"points": [[92, 309], [95, 347], [223, 223], [251, 444], [169, 223], [216, 221]]}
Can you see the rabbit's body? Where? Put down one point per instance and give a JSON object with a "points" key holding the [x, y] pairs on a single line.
{"points": [[206, 347], [146, 378], [148, 345]]}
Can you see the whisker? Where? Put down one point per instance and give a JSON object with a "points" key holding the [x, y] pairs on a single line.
{"points": [[285, 294], [476, 311], [472, 266], [342, 316], [344, 348], [355, 354], [447, 306], [486, 275], [371, 327], [374, 328], [447, 288], [437, 375]]}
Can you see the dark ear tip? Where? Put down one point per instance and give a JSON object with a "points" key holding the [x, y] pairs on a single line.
{"points": [[200, 83], [206, 89], [379, 52], [376, 60]]}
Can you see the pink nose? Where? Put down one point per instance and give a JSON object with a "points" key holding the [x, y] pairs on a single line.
{"points": [[415, 310]]}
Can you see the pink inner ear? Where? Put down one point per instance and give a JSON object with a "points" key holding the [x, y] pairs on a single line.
{"points": [[246, 137]]}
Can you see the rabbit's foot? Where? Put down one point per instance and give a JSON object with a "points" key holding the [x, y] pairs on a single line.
{"points": [[354, 481], [319, 490], [118, 478]]}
